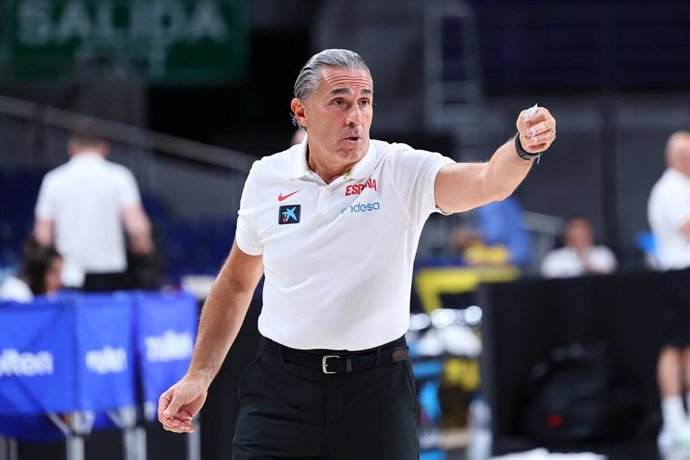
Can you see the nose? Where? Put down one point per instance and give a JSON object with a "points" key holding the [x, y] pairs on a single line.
{"points": [[354, 116]]}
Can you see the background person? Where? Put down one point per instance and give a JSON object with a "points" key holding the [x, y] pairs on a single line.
{"points": [[669, 218], [39, 274], [580, 256], [85, 207], [499, 229]]}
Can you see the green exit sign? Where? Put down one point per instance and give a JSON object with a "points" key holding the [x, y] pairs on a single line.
{"points": [[168, 41]]}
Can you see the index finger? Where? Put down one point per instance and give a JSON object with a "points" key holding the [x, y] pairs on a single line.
{"points": [[540, 115], [163, 403], [542, 127]]}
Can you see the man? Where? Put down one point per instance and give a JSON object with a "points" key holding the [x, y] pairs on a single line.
{"points": [[334, 223], [669, 217], [83, 207], [580, 256]]}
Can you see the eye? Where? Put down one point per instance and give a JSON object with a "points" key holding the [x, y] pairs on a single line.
{"points": [[337, 101], [364, 102]]}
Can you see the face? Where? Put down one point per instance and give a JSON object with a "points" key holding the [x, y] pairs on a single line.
{"points": [[579, 235], [678, 152], [338, 117], [52, 277]]}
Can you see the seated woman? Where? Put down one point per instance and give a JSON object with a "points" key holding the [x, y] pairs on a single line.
{"points": [[39, 274]]}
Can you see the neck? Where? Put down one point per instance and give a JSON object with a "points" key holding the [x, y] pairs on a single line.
{"points": [[328, 173]]}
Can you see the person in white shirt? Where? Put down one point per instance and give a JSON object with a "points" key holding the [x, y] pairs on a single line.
{"points": [[39, 274], [334, 223], [669, 217], [85, 207], [579, 256]]}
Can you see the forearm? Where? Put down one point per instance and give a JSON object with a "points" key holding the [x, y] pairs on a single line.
{"points": [[138, 228], [221, 318], [460, 187], [463, 186], [223, 313], [43, 232], [505, 171], [508, 167], [141, 243]]}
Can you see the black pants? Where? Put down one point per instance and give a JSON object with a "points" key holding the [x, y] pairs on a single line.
{"points": [[106, 282], [294, 412], [675, 296]]}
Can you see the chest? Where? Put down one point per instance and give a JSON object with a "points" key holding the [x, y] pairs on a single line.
{"points": [[317, 224]]}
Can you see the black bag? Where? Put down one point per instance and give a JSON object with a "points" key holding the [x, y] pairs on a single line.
{"points": [[572, 397]]}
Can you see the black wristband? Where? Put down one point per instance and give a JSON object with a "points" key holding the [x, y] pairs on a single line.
{"points": [[522, 153]]}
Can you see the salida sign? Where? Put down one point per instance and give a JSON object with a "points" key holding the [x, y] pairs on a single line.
{"points": [[170, 41]]}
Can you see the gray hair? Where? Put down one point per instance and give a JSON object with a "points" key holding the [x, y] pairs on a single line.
{"points": [[309, 79]]}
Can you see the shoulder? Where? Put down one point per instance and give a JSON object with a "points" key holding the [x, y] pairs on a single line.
{"points": [[402, 154], [672, 180], [14, 288], [117, 169], [57, 174], [57, 179], [118, 175], [603, 250], [558, 253], [276, 162], [669, 188], [392, 149]]}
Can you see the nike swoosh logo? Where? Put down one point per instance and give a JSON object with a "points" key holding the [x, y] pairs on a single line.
{"points": [[282, 197]]}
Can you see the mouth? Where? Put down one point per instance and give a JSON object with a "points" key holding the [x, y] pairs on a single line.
{"points": [[352, 138], [353, 142]]}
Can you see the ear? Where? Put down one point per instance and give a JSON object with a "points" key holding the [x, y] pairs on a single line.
{"points": [[300, 110], [104, 149], [71, 148]]}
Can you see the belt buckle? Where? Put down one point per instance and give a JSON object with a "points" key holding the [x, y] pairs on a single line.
{"points": [[324, 363]]}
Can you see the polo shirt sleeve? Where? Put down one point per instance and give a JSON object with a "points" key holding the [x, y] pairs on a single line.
{"points": [[676, 206], [414, 173], [128, 193], [45, 206], [246, 235]]}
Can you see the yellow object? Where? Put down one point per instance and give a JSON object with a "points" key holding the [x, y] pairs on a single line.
{"points": [[479, 254], [430, 283], [462, 372]]}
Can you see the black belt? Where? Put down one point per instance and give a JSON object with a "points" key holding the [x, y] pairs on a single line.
{"points": [[341, 362]]}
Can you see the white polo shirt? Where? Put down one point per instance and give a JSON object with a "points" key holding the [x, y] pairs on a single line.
{"points": [[337, 258], [84, 198], [668, 209], [565, 262]]}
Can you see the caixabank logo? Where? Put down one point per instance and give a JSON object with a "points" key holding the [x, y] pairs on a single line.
{"points": [[289, 214]]}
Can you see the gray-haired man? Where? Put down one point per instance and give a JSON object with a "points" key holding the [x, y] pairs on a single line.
{"points": [[334, 224]]}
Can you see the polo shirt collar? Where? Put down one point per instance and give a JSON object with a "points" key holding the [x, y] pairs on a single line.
{"points": [[364, 167], [361, 170], [299, 167]]}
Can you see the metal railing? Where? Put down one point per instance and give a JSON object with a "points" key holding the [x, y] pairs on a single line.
{"points": [[191, 179], [131, 135]]}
